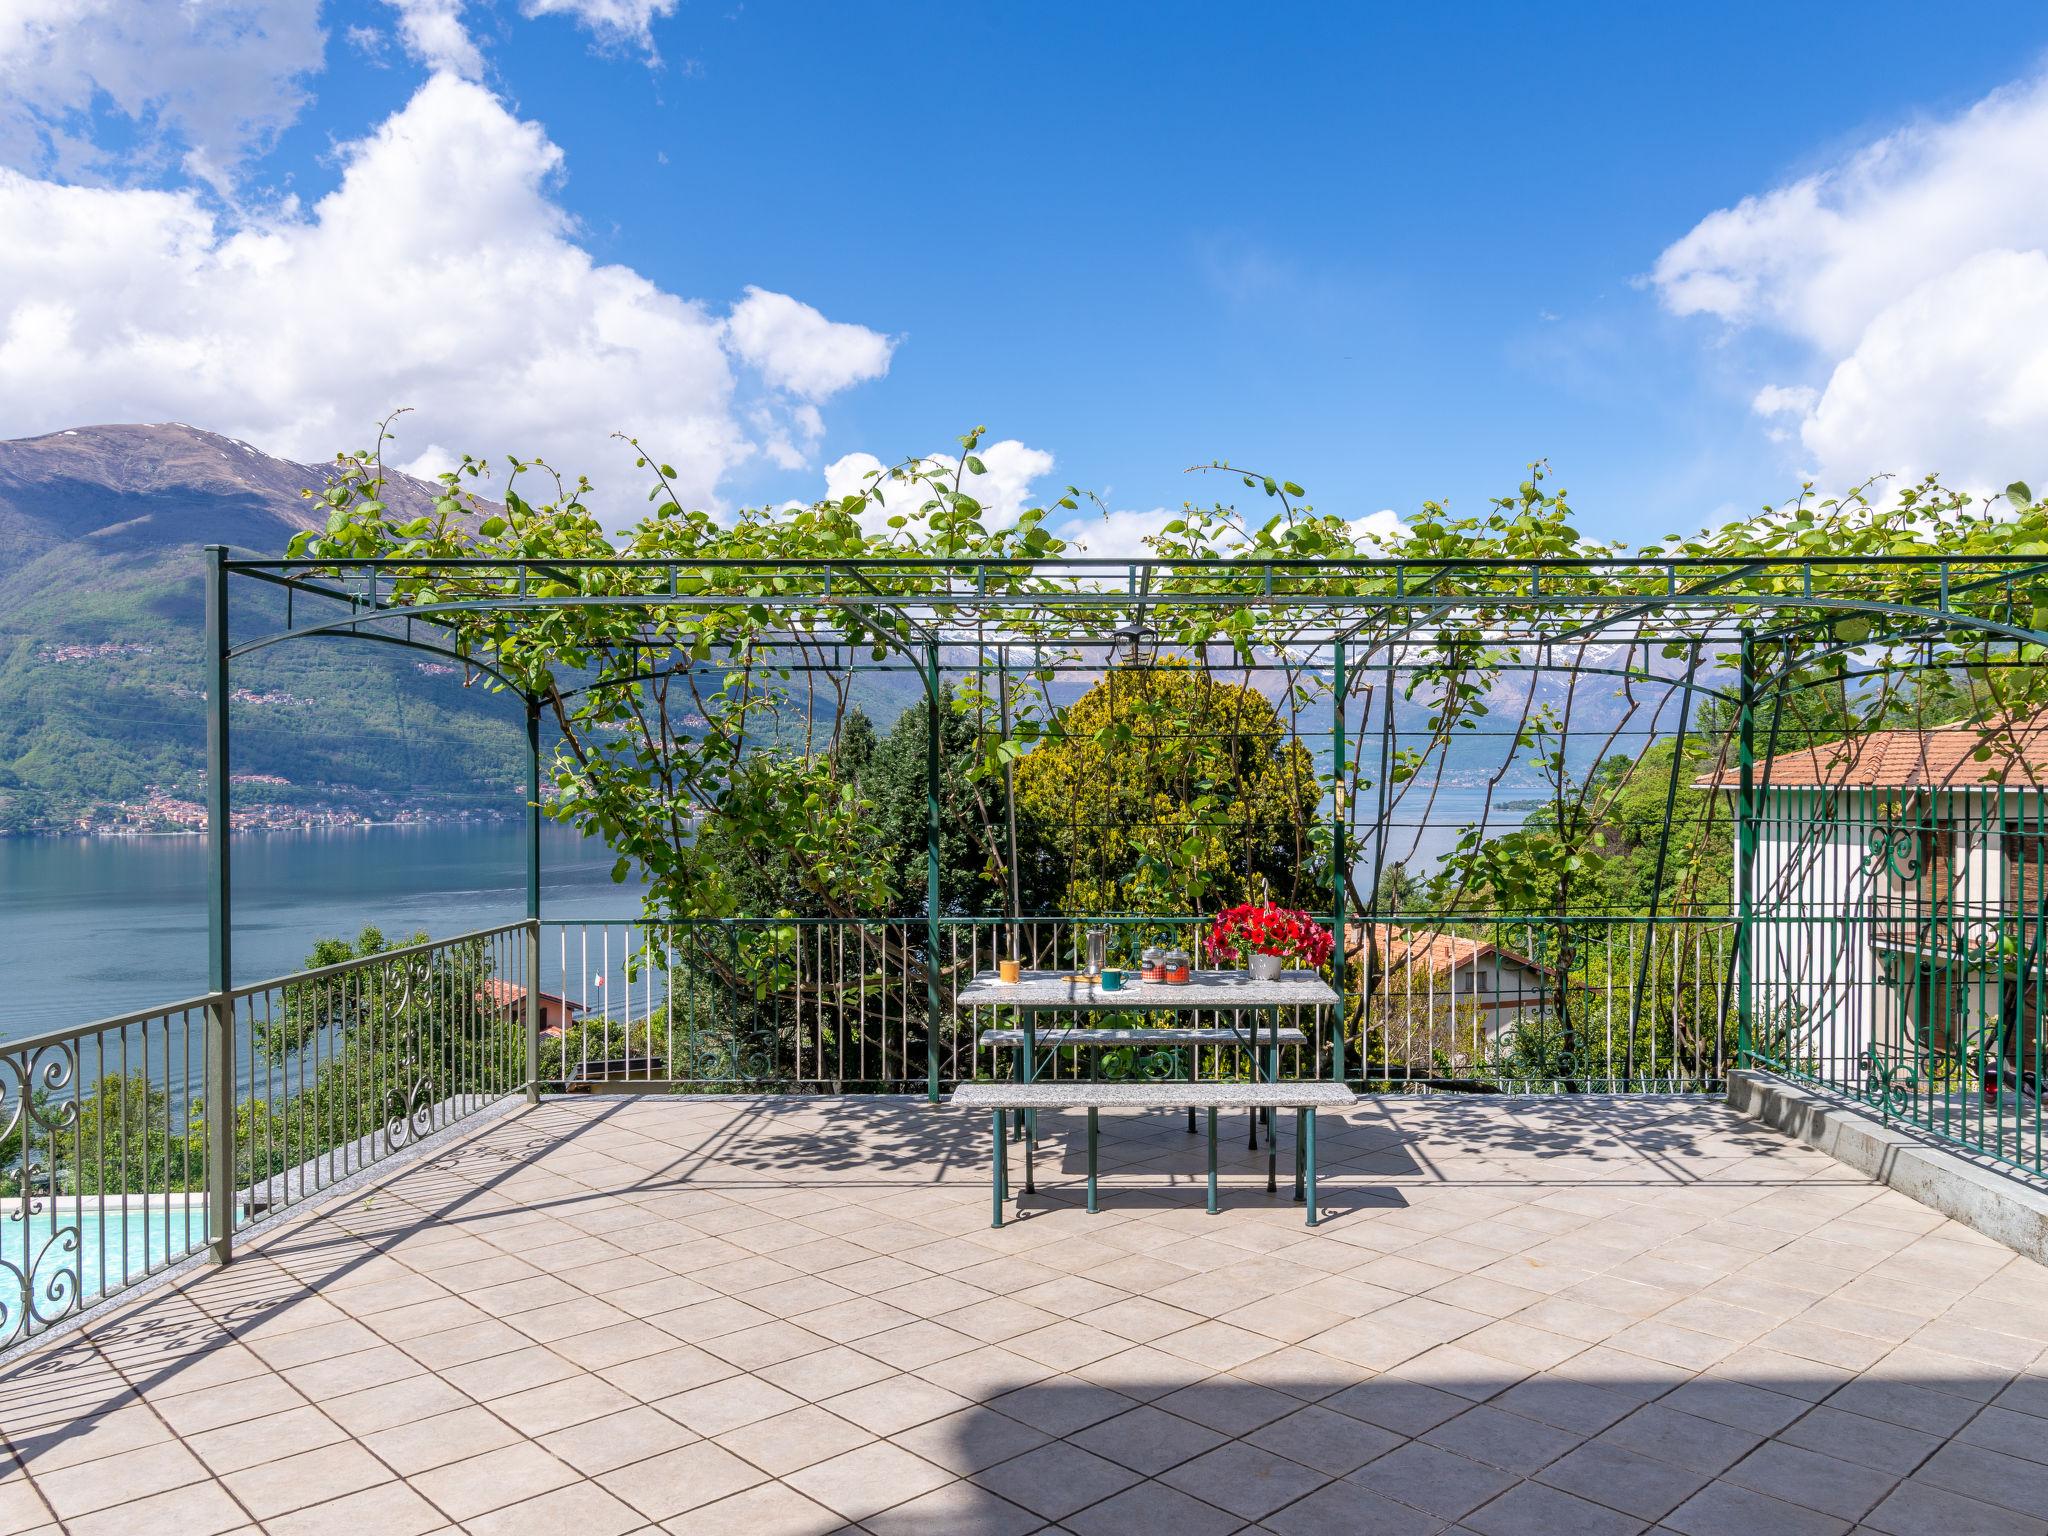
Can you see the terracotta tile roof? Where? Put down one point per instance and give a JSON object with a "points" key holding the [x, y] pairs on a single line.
{"points": [[1430, 949], [505, 994], [1939, 758]]}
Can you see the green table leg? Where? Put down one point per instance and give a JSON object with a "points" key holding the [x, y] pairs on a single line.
{"points": [[1030, 1073], [1212, 1162], [1300, 1146], [1000, 1175], [1272, 1072], [1188, 1055], [1091, 1162], [1252, 1128], [1310, 1158]]}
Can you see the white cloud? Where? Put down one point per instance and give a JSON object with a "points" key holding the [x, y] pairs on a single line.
{"points": [[1004, 492], [1784, 400], [205, 83], [433, 33], [1116, 534], [439, 274], [614, 23], [1382, 529], [1911, 276], [797, 349]]}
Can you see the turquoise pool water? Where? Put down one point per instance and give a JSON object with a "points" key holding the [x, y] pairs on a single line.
{"points": [[91, 1248]]}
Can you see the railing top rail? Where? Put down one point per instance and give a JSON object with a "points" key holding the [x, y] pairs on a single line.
{"points": [[118, 1021], [1413, 919], [322, 972], [49, 1037]]}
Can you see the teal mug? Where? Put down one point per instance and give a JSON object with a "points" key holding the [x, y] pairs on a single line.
{"points": [[1112, 981]]}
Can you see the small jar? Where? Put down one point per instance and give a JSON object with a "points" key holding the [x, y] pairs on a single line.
{"points": [[1178, 968], [1152, 964]]}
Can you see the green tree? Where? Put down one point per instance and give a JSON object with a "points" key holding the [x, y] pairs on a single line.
{"points": [[1163, 789]]}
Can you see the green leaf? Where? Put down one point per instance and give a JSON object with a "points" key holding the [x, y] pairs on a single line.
{"points": [[2018, 493]]}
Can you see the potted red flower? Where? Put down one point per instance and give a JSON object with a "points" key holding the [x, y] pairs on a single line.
{"points": [[1266, 938]]}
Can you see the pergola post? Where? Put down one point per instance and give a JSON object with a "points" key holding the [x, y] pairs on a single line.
{"points": [[532, 1020], [1745, 846], [1340, 875], [931, 871], [220, 1006]]}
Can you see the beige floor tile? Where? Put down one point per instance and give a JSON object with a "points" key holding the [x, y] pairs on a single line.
{"points": [[826, 1372], [497, 1478], [632, 1434], [311, 1477], [197, 1509], [724, 1405], [664, 1486], [861, 1482], [888, 1407], [771, 1509], [253, 1441], [420, 1444], [125, 1476], [374, 1396], [793, 1440], [961, 1507], [391, 1509], [582, 1508]]}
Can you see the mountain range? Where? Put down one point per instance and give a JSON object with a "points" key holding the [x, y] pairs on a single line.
{"points": [[102, 705]]}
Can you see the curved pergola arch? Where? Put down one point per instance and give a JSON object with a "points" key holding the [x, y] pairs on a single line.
{"points": [[1351, 618]]}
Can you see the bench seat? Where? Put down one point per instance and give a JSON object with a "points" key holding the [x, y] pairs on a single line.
{"points": [[1050, 1095], [1304, 1098]]}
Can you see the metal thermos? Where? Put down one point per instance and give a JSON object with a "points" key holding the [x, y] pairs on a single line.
{"points": [[1098, 950]]}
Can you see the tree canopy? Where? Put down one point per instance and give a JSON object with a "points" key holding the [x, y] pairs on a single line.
{"points": [[1165, 790]]}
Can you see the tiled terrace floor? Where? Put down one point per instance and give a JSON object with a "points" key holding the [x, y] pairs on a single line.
{"points": [[792, 1316]]}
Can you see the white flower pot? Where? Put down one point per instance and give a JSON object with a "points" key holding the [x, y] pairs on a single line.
{"points": [[1265, 967]]}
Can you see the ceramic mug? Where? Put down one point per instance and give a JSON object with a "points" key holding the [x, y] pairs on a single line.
{"points": [[1008, 970], [1112, 981]]}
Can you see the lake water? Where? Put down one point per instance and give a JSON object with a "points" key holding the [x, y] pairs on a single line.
{"points": [[91, 927]]}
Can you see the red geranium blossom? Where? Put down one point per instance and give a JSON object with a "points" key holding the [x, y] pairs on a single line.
{"points": [[1261, 928]]}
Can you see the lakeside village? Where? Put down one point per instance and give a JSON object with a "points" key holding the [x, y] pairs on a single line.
{"points": [[162, 812], [264, 802]]}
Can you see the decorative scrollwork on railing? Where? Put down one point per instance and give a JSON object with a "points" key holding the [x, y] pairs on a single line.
{"points": [[409, 1113], [1891, 1085], [1896, 850], [32, 1299], [31, 1085]]}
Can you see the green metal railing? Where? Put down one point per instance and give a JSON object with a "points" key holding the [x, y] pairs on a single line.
{"points": [[131, 1143], [1499, 1004], [1900, 957]]}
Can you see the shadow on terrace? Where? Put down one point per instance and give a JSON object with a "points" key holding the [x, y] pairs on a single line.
{"points": [[615, 1314]]}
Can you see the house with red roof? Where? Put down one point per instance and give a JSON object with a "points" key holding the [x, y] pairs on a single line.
{"points": [[1897, 894]]}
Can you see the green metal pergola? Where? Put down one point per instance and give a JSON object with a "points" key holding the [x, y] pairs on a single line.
{"points": [[1357, 623]]}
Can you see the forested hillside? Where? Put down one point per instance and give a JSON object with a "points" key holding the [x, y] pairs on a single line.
{"points": [[101, 696]]}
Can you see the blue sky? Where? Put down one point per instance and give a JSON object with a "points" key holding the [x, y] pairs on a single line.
{"points": [[1392, 254]]}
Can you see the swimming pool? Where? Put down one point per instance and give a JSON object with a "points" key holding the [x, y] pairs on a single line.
{"points": [[77, 1249]]}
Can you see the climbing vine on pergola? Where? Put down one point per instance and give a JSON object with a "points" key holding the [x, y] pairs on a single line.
{"points": [[698, 664]]}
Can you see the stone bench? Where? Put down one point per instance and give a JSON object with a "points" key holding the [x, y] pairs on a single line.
{"points": [[1304, 1098], [1096, 1037]]}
